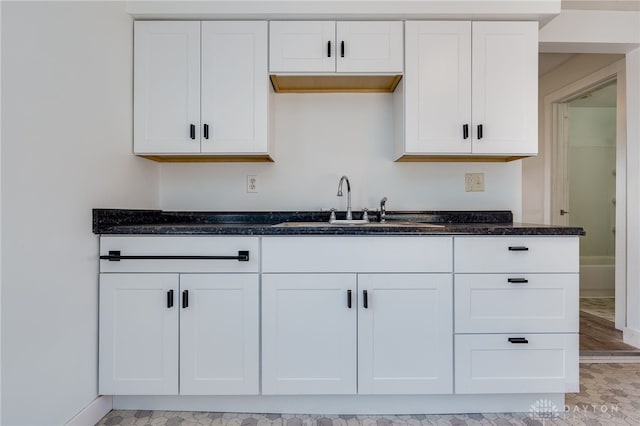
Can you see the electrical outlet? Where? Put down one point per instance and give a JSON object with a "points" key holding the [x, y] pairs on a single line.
{"points": [[252, 183], [474, 182]]}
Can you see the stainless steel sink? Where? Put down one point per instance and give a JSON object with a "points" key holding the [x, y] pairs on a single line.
{"points": [[355, 223]]}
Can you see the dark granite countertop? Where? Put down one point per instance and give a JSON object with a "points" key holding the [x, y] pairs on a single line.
{"points": [[157, 222]]}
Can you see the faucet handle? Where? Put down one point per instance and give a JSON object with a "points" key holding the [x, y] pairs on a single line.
{"points": [[365, 214], [332, 217]]}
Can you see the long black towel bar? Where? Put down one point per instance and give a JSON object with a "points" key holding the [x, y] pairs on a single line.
{"points": [[115, 256]]}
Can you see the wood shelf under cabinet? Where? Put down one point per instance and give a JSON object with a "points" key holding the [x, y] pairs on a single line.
{"points": [[335, 83], [209, 158], [459, 158]]}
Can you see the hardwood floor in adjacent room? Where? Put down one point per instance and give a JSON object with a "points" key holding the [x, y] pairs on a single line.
{"points": [[599, 334]]}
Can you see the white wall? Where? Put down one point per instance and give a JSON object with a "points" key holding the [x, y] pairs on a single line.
{"points": [[66, 148], [632, 333], [320, 137]]}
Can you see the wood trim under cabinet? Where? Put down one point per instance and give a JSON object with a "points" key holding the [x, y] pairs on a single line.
{"points": [[208, 158], [458, 158], [335, 83]]}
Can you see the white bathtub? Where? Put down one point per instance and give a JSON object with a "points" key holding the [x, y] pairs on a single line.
{"points": [[597, 276]]}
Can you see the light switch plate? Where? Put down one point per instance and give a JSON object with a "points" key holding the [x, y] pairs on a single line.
{"points": [[474, 182]]}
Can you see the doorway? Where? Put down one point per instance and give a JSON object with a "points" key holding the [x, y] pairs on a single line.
{"points": [[589, 136], [588, 189]]}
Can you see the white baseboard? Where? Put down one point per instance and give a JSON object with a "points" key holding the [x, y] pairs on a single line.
{"points": [[342, 404], [92, 413], [631, 337]]}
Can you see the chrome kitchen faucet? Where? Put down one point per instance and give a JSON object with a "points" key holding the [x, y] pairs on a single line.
{"points": [[339, 194], [383, 210]]}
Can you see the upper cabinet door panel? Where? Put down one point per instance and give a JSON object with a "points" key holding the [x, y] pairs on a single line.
{"points": [[234, 87], [505, 87], [369, 47], [438, 82], [307, 46], [166, 87]]}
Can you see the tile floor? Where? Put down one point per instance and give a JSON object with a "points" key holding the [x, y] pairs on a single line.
{"points": [[599, 306], [609, 395]]}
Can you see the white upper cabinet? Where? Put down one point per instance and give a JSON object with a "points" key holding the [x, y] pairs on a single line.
{"points": [[438, 86], [471, 88], [166, 88], [235, 87], [329, 46], [307, 46], [201, 89], [369, 47], [505, 88]]}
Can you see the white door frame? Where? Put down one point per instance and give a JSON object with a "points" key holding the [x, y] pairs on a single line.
{"points": [[556, 170]]}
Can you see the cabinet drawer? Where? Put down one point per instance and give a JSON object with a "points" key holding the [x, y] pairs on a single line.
{"points": [[357, 254], [516, 254], [491, 364], [505, 303], [179, 246]]}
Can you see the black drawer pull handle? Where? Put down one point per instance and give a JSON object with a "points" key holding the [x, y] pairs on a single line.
{"points": [[518, 248], [342, 49], [192, 131], [170, 299], [329, 49], [365, 299], [115, 256], [518, 340], [206, 131], [479, 131], [349, 299], [518, 280], [185, 299], [465, 131]]}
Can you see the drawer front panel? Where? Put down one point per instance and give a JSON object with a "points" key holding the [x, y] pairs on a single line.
{"points": [[490, 303], [516, 254], [491, 364], [180, 246], [357, 254]]}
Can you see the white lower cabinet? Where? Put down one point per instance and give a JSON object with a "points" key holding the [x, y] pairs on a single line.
{"points": [[404, 334], [169, 334], [334, 315], [516, 314], [138, 352], [516, 363], [219, 334], [308, 334], [405, 343]]}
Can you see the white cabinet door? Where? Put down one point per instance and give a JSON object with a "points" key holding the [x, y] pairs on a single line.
{"points": [[219, 334], [166, 87], [405, 343], [369, 46], [304, 46], [308, 334], [505, 87], [234, 87], [438, 87], [138, 334]]}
